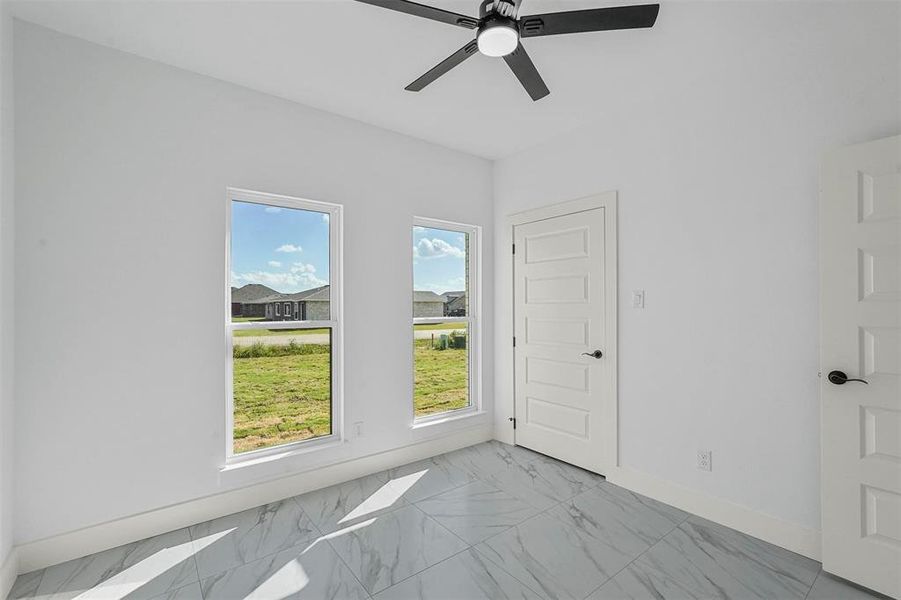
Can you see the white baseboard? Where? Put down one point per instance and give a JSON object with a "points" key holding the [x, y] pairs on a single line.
{"points": [[784, 534], [9, 569], [54, 550]]}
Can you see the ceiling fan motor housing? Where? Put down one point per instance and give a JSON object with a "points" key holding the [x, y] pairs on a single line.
{"points": [[498, 35]]}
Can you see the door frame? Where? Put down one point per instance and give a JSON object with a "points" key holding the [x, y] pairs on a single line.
{"points": [[610, 408]]}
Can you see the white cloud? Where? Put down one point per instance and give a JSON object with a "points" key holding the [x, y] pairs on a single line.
{"points": [[325, 217], [300, 267], [289, 248], [273, 209], [281, 282], [274, 263], [436, 248], [455, 284], [309, 280]]}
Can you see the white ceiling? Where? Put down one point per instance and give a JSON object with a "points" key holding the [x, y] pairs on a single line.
{"points": [[354, 59]]}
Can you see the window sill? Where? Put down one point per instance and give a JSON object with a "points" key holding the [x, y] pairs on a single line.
{"points": [[461, 415], [276, 454]]}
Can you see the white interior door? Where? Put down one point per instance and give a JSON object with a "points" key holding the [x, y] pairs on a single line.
{"points": [[860, 297], [564, 268]]}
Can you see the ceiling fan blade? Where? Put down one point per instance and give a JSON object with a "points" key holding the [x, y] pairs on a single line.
{"points": [[427, 12], [596, 19], [444, 66], [524, 69]]}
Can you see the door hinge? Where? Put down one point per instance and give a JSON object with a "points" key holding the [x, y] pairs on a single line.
{"points": [[513, 420], [514, 248], [514, 341]]}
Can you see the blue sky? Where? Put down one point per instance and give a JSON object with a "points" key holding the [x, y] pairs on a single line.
{"points": [[439, 260], [287, 250], [283, 248]]}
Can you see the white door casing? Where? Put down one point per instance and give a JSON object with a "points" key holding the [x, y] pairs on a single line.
{"points": [[860, 330], [564, 309]]}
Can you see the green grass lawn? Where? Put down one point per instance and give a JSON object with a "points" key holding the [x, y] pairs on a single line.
{"points": [[282, 393], [281, 398], [441, 379]]}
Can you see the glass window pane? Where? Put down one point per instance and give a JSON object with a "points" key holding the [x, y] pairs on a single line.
{"points": [[440, 273], [441, 365], [282, 386], [279, 264]]}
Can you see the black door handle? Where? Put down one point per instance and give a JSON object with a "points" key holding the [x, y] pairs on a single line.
{"points": [[595, 354], [839, 378]]}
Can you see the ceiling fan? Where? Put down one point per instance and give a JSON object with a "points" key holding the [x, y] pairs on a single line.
{"points": [[500, 31]]}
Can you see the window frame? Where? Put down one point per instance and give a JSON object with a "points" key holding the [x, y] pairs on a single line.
{"points": [[334, 323], [472, 319]]}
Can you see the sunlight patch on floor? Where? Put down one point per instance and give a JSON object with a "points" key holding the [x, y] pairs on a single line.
{"points": [[284, 583], [385, 496], [122, 584]]}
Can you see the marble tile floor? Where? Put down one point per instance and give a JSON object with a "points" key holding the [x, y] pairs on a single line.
{"points": [[490, 521]]}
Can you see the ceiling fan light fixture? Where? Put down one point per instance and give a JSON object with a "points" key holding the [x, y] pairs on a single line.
{"points": [[498, 39]]}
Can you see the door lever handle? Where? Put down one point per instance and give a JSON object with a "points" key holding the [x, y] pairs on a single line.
{"points": [[839, 378], [595, 354]]}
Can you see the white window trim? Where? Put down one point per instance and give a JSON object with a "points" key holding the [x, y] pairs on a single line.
{"points": [[335, 322], [473, 321]]}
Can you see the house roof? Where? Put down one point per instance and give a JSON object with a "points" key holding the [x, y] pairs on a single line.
{"points": [[321, 294], [456, 302], [251, 292], [423, 296]]}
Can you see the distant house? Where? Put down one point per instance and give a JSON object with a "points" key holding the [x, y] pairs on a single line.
{"points": [[427, 304], [311, 305], [455, 304], [244, 300], [308, 305]]}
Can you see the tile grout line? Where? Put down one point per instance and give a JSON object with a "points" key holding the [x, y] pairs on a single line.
{"points": [[451, 489], [498, 565], [194, 558], [444, 560], [481, 477], [645, 551], [328, 544], [36, 587], [312, 539], [331, 547], [403, 505], [813, 583]]}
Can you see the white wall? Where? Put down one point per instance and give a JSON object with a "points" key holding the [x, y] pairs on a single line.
{"points": [[122, 166], [6, 295], [717, 175]]}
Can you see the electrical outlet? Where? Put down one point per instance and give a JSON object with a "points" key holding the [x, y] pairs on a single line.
{"points": [[705, 460], [358, 429], [637, 298]]}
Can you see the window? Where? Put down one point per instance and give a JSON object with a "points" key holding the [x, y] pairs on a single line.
{"points": [[283, 371], [445, 318]]}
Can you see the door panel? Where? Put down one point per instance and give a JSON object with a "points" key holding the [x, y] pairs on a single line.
{"points": [[860, 297], [560, 312]]}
